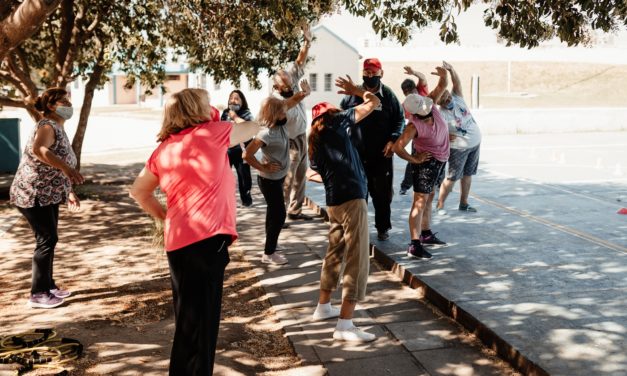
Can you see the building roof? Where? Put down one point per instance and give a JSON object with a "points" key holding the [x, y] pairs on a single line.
{"points": [[343, 41]]}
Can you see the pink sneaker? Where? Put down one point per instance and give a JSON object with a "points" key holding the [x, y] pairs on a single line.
{"points": [[60, 293], [44, 300]]}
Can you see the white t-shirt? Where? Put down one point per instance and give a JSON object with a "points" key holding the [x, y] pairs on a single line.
{"points": [[461, 124]]}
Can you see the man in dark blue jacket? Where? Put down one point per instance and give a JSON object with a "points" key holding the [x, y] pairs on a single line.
{"points": [[374, 141]]}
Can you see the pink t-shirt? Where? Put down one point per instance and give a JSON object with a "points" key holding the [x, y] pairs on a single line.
{"points": [[193, 171], [432, 138]]}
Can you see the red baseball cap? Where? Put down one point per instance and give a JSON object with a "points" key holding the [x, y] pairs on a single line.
{"points": [[320, 109], [372, 64]]}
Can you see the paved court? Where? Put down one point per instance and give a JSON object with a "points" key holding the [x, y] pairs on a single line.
{"points": [[543, 264]]}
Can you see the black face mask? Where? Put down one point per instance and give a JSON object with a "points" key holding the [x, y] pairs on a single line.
{"points": [[287, 94], [281, 122], [372, 82]]}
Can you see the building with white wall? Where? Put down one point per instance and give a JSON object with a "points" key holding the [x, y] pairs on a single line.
{"points": [[331, 56]]}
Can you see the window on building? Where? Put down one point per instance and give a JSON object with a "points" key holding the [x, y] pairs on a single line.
{"points": [[216, 86], [76, 84], [313, 81], [328, 81]]}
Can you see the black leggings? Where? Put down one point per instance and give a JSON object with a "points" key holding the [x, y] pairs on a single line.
{"points": [[244, 179], [272, 191], [44, 221], [197, 273]]}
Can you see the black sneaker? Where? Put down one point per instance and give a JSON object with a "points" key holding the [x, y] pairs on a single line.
{"points": [[403, 192], [431, 240], [383, 235], [417, 251]]}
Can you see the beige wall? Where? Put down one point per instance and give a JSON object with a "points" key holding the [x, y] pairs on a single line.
{"points": [[123, 95]]}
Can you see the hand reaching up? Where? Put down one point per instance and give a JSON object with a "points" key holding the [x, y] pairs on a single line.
{"points": [[440, 71], [348, 86], [304, 87]]}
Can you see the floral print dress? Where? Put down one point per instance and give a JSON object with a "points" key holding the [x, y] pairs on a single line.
{"points": [[37, 183]]}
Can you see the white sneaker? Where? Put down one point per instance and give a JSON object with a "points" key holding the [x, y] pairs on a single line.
{"points": [[275, 258], [442, 211], [353, 334], [323, 314]]}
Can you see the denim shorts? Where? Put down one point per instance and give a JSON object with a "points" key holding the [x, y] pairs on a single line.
{"points": [[463, 162]]}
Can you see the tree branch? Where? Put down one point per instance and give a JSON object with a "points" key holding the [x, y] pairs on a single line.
{"points": [[72, 53], [6, 76], [24, 22], [10, 102], [23, 73]]}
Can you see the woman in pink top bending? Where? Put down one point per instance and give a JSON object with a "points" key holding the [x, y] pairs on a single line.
{"points": [[191, 167], [431, 142]]}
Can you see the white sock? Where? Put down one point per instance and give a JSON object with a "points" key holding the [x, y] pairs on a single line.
{"points": [[343, 324], [326, 307]]}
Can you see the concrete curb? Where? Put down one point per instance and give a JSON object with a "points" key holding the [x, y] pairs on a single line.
{"points": [[487, 336]]}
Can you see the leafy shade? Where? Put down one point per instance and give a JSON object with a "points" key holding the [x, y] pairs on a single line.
{"points": [[522, 22]]}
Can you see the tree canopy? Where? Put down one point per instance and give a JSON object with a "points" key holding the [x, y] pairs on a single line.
{"points": [[229, 39]]}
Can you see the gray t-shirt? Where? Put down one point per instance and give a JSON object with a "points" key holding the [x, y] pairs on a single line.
{"points": [[296, 116], [276, 149]]}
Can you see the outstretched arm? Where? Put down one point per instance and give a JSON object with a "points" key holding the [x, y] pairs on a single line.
{"points": [[422, 80], [442, 83], [304, 50], [348, 87], [299, 96], [457, 85]]}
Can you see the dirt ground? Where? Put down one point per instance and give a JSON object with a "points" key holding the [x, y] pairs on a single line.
{"points": [[121, 307]]}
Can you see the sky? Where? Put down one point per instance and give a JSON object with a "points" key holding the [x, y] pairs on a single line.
{"points": [[473, 34]]}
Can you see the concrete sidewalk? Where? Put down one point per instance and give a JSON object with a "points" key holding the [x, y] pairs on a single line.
{"points": [[539, 273], [413, 339]]}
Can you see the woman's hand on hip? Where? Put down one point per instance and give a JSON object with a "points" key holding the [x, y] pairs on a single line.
{"points": [[270, 167], [421, 157]]}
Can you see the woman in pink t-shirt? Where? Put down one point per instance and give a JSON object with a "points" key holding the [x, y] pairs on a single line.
{"points": [[431, 141], [191, 167]]}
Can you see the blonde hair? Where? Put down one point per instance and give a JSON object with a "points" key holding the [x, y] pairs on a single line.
{"points": [[271, 109], [184, 109]]}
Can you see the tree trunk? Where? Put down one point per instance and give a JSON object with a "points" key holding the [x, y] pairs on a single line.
{"points": [[24, 22], [90, 88]]}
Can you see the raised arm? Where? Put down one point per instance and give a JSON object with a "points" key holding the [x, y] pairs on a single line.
{"points": [[442, 83], [422, 80], [299, 96], [457, 85], [371, 101], [304, 50]]}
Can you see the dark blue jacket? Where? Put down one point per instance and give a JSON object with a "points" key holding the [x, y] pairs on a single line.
{"points": [[338, 163], [384, 124]]}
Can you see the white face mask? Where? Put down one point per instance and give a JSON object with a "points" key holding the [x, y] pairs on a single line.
{"points": [[65, 112]]}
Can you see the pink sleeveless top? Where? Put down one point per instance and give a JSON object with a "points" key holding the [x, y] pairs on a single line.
{"points": [[432, 138]]}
